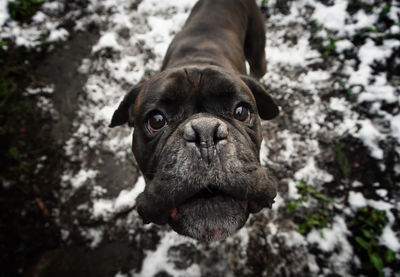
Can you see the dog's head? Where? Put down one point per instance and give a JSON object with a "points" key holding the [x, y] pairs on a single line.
{"points": [[197, 138]]}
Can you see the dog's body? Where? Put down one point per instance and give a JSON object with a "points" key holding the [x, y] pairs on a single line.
{"points": [[197, 130], [221, 33]]}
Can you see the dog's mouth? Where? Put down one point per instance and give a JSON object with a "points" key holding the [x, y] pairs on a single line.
{"points": [[204, 210], [209, 215]]}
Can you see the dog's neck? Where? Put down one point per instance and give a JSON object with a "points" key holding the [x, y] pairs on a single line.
{"points": [[214, 34], [200, 61]]}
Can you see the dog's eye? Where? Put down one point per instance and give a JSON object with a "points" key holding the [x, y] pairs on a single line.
{"points": [[242, 114], [156, 122]]}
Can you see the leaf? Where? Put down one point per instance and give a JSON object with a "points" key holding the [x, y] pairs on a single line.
{"points": [[367, 234], [14, 153], [376, 261], [389, 256], [301, 185], [311, 190], [291, 206], [323, 197], [363, 243]]}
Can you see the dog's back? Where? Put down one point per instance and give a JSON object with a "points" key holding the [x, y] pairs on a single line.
{"points": [[222, 33]]}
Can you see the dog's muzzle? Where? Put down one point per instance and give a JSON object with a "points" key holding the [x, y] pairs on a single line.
{"points": [[207, 181]]}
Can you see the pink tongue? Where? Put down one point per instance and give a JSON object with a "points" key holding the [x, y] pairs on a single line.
{"points": [[217, 234], [174, 214]]}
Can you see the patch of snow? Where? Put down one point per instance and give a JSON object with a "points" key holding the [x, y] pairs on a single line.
{"points": [[382, 192], [93, 235], [104, 208], [58, 35], [370, 137], [4, 15], [293, 192], [335, 238], [107, 40], [338, 104], [5, 184], [64, 234], [293, 239], [48, 89], [311, 174], [79, 179], [356, 200], [343, 45], [158, 260], [333, 17], [312, 264], [389, 239], [263, 153]]}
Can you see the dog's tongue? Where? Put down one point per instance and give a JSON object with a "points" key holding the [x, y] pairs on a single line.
{"points": [[217, 234], [174, 214]]}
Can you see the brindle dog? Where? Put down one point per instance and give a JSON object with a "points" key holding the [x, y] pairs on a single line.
{"points": [[197, 125]]}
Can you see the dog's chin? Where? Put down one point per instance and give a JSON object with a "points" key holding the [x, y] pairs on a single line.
{"points": [[209, 217]]}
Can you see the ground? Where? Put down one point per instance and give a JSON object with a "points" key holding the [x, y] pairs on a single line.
{"points": [[69, 182]]}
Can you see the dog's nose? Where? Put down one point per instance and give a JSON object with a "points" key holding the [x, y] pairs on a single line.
{"points": [[205, 132]]}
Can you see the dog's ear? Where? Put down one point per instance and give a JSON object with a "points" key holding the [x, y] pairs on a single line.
{"points": [[267, 108], [124, 111]]}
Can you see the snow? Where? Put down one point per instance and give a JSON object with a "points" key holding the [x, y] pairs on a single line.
{"points": [[311, 174], [78, 180], [93, 235], [356, 200], [332, 17], [370, 137], [389, 239], [4, 15], [293, 239], [338, 104], [382, 192], [335, 238], [263, 153], [158, 259], [108, 40], [58, 35], [103, 208], [293, 192]]}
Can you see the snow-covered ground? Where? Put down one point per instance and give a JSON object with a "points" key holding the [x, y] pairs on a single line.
{"points": [[333, 67]]}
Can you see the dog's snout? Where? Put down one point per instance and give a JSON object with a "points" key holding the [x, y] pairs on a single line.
{"points": [[205, 132]]}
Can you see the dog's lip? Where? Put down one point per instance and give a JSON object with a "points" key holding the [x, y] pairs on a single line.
{"points": [[210, 194], [207, 196]]}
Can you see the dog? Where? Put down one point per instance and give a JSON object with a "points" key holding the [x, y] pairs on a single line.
{"points": [[197, 132]]}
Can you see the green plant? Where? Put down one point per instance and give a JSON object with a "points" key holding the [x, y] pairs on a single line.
{"points": [[23, 10], [342, 161], [316, 220], [367, 227], [306, 221], [328, 49], [384, 12]]}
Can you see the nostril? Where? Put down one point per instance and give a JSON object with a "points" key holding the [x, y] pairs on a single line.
{"points": [[221, 132], [189, 134]]}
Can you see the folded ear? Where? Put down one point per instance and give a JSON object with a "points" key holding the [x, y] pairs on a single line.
{"points": [[267, 109], [124, 111]]}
